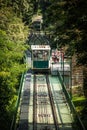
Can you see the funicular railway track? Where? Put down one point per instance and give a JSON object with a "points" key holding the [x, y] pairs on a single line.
{"points": [[44, 113], [52, 104]]}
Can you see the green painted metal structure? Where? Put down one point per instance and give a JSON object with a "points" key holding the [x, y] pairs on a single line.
{"points": [[40, 64], [13, 123], [77, 124]]}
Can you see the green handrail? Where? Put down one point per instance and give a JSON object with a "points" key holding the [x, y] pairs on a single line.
{"points": [[13, 123], [77, 124]]}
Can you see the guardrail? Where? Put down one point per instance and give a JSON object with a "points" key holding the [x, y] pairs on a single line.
{"points": [[13, 123], [77, 124]]}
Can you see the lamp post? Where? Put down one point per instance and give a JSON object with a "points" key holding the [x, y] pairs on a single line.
{"points": [[70, 76], [62, 63]]}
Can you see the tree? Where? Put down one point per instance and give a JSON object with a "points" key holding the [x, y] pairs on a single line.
{"points": [[68, 22], [13, 35]]}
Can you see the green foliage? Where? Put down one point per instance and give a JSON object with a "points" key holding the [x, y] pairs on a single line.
{"points": [[65, 19], [24, 9], [81, 107], [69, 19], [13, 35]]}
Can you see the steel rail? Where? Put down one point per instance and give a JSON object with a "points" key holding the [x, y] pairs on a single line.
{"points": [[52, 104], [42, 106], [34, 106]]}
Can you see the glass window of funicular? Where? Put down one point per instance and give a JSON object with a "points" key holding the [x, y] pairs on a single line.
{"points": [[40, 55], [45, 55], [35, 55]]}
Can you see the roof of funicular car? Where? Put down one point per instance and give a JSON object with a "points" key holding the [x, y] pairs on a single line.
{"points": [[40, 47]]}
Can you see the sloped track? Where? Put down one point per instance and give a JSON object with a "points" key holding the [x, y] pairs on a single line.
{"points": [[49, 108], [43, 106]]}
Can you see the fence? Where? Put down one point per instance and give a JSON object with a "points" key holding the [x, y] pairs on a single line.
{"points": [[13, 123], [77, 124]]}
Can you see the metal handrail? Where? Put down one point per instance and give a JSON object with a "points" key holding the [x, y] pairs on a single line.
{"points": [[71, 105], [13, 122]]}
